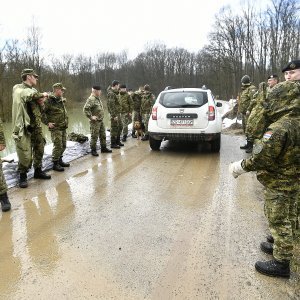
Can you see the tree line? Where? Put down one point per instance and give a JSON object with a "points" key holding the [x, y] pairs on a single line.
{"points": [[244, 41]]}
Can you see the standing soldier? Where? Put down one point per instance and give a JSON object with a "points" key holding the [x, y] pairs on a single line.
{"points": [[126, 110], [276, 158], [5, 204], [137, 98], [146, 107], [246, 96], [27, 126], [55, 117], [114, 108], [94, 110]]}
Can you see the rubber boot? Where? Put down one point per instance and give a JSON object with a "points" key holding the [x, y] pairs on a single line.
{"points": [[114, 144], [119, 142], [94, 153], [270, 239], [274, 268], [145, 137], [104, 149], [266, 247], [57, 166], [62, 163], [23, 180], [5, 204], [245, 146], [124, 138], [38, 173]]}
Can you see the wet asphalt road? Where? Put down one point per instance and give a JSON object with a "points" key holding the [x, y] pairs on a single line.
{"points": [[139, 224]]}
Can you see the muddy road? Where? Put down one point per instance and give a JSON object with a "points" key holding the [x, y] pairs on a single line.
{"points": [[139, 224]]}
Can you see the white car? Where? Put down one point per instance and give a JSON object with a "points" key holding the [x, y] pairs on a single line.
{"points": [[185, 114]]}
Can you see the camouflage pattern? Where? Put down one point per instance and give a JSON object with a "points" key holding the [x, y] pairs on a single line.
{"points": [[97, 129], [3, 186], [38, 143], [296, 258], [147, 102], [59, 140], [126, 111], [145, 120], [136, 99], [126, 119], [77, 137], [94, 107], [114, 108]]}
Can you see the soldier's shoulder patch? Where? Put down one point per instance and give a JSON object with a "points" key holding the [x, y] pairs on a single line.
{"points": [[267, 134]]}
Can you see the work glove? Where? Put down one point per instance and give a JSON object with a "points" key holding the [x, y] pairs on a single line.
{"points": [[235, 169]]}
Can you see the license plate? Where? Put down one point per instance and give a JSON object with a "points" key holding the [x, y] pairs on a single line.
{"points": [[175, 122]]}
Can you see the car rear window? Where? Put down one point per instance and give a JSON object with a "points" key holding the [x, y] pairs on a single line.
{"points": [[183, 99]]}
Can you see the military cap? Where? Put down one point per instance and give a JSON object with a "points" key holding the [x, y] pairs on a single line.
{"points": [[97, 87], [58, 85], [123, 86], [273, 76], [245, 80], [292, 65], [29, 72], [115, 82]]}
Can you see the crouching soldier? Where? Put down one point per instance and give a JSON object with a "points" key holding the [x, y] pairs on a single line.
{"points": [[5, 204], [55, 117], [93, 109]]}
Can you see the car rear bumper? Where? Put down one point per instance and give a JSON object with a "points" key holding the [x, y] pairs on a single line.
{"points": [[196, 137]]}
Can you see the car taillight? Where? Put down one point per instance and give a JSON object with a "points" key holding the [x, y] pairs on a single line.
{"points": [[211, 113], [154, 113]]}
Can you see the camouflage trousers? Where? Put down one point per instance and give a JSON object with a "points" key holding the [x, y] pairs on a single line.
{"points": [[146, 118], [244, 122], [281, 212], [3, 186], [255, 124], [126, 120], [115, 127], [97, 129], [59, 140], [30, 147]]}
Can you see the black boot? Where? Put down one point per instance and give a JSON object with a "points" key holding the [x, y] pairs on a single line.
{"points": [[250, 147], [124, 138], [5, 204], [94, 153], [274, 268], [38, 173], [245, 146], [114, 144], [119, 142], [145, 137], [23, 180], [62, 163], [266, 247], [104, 149], [57, 166], [270, 239], [133, 134]]}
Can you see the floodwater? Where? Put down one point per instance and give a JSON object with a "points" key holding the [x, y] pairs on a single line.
{"points": [[139, 224]]}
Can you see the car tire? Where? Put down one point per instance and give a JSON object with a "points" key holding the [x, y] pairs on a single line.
{"points": [[216, 144], [154, 144]]}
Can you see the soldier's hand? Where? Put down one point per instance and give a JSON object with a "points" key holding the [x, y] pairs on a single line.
{"points": [[247, 113], [116, 118], [2, 147], [235, 168], [51, 125], [41, 101], [94, 118]]}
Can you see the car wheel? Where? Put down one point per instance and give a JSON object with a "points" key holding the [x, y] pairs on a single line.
{"points": [[154, 144], [216, 144]]}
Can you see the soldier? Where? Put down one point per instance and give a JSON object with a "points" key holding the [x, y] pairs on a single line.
{"points": [[146, 107], [5, 204], [56, 118], [27, 128], [114, 108], [246, 96], [276, 158], [126, 110], [255, 126], [94, 110], [137, 98]]}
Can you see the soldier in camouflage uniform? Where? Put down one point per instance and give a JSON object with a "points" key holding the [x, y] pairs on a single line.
{"points": [[146, 107], [245, 105], [137, 98], [255, 126], [94, 110], [56, 118], [126, 110], [276, 158], [27, 128], [5, 204], [114, 108]]}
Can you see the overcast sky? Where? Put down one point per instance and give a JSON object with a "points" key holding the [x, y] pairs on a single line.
{"points": [[91, 26]]}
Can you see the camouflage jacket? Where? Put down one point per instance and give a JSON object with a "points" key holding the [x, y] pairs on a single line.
{"points": [[246, 98], [126, 103], [137, 98], [26, 113], [147, 102], [94, 107], [54, 111], [2, 138], [113, 103]]}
